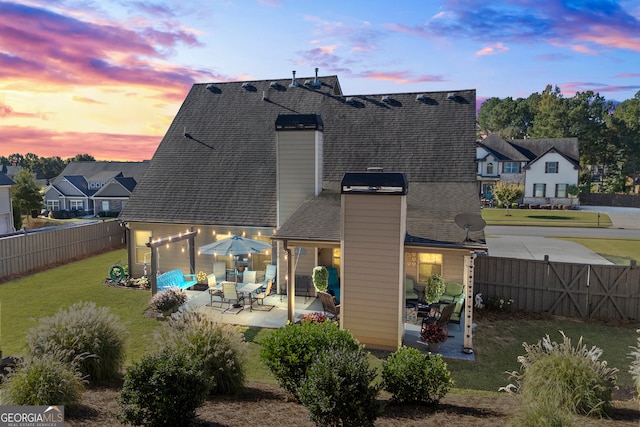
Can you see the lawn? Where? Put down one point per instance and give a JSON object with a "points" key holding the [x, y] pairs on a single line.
{"points": [[497, 340], [546, 218], [618, 251]]}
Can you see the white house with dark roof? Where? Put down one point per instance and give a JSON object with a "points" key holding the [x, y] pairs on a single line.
{"points": [[269, 159], [6, 207], [544, 167], [94, 187]]}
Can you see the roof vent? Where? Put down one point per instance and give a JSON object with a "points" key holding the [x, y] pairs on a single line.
{"points": [[375, 169], [315, 83], [386, 99], [274, 85], [349, 100], [213, 89], [421, 97], [248, 86], [294, 83], [452, 96]]}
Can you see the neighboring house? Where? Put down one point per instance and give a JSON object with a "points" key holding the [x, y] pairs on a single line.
{"points": [[12, 173], [545, 167], [286, 161], [94, 187], [6, 207]]}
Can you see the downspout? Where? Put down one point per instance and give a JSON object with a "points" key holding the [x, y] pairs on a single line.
{"points": [[291, 297]]}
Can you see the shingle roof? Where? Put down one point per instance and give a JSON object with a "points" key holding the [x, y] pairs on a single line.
{"points": [[527, 150], [5, 180], [217, 162], [102, 171], [504, 149]]}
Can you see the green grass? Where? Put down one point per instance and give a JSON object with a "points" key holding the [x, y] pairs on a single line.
{"points": [[618, 251], [546, 218], [497, 343]]}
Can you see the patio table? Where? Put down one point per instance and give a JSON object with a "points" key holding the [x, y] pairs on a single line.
{"points": [[245, 288]]}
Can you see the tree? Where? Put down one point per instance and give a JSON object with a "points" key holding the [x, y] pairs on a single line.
{"points": [[26, 194], [81, 158], [508, 193]]}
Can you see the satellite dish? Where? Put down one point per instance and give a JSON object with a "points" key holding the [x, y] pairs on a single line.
{"points": [[469, 222]]}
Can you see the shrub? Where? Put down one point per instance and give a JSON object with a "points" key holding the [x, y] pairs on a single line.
{"points": [[634, 369], [338, 390], [289, 351], [434, 288], [320, 278], [43, 381], [163, 389], [410, 376], [82, 330], [168, 301], [498, 303], [538, 416], [220, 347], [316, 316], [558, 375]]}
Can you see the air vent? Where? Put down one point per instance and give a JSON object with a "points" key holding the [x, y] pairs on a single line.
{"points": [[315, 83], [213, 89], [386, 99], [294, 82], [375, 169], [452, 96], [421, 97], [274, 85], [349, 100]]}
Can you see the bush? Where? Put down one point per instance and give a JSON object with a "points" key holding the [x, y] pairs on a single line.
{"points": [[434, 288], [320, 278], [41, 381], [163, 389], [410, 376], [570, 379], [82, 330], [634, 369], [289, 351], [538, 416], [168, 301], [220, 347], [338, 390]]}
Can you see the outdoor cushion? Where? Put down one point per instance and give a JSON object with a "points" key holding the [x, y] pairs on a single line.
{"points": [[410, 292], [334, 283], [175, 279], [454, 292]]}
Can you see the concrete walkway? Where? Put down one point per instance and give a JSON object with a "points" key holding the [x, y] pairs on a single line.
{"points": [[621, 218]]}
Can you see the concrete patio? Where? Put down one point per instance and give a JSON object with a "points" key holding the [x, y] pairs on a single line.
{"points": [[277, 316]]}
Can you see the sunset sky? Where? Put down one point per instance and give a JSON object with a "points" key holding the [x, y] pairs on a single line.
{"points": [[106, 77]]}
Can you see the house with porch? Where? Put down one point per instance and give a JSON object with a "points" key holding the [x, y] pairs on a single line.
{"points": [[368, 184], [546, 168], [94, 187], [6, 207]]}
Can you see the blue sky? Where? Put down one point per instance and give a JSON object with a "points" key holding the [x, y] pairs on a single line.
{"points": [[106, 77]]}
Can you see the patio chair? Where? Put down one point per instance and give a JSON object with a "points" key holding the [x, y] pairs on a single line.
{"points": [[445, 317], [249, 276], [230, 294], [329, 305], [269, 274], [213, 291], [220, 270], [261, 295]]}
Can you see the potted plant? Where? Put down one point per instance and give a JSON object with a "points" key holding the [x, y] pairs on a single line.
{"points": [[434, 335], [320, 278], [434, 289]]}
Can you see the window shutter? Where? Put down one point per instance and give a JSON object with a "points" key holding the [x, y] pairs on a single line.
{"points": [[544, 190]]}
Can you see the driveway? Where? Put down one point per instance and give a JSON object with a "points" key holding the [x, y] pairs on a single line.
{"points": [[536, 242]]}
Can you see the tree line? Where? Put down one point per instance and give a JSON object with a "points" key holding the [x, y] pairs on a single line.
{"points": [[608, 133], [49, 167]]}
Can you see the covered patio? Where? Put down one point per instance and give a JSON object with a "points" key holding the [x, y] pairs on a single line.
{"points": [[277, 317]]}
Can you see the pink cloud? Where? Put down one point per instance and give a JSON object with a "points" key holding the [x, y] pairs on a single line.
{"points": [[7, 110], [103, 146], [492, 50], [573, 87], [401, 77], [628, 75]]}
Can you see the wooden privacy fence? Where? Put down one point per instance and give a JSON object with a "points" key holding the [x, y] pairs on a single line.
{"points": [[560, 288], [22, 253]]}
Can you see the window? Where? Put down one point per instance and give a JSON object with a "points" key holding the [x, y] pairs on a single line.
{"points": [[551, 167], [76, 205], [428, 264], [511, 167], [539, 190], [141, 239], [53, 205], [561, 190], [336, 258], [105, 206], [489, 168]]}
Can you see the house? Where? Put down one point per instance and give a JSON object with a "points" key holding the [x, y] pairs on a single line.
{"points": [[94, 187], [12, 172], [295, 162], [6, 207], [545, 167]]}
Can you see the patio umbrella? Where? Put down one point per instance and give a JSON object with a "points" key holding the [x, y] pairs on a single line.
{"points": [[235, 246]]}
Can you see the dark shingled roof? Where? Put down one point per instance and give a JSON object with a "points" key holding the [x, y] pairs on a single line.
{"points": [[528, 150], [217, 162], [5, 180]]}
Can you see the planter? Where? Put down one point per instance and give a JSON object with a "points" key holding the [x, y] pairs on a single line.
{"points": [[434, 347]]}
